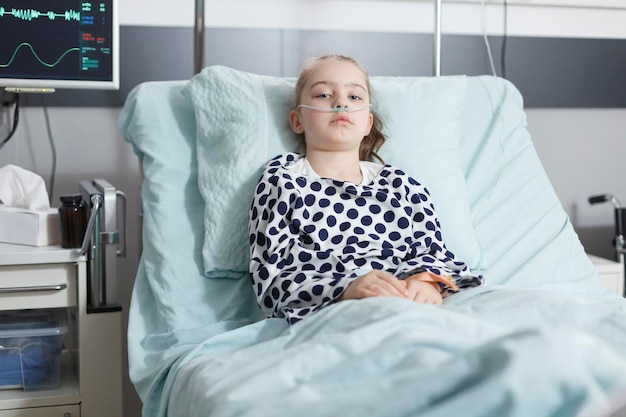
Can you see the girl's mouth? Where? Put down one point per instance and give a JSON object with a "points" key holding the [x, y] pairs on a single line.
{"points": [[341, 119]]}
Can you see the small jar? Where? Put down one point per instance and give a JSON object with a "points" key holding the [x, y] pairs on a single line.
{"points": [[73, 218]]}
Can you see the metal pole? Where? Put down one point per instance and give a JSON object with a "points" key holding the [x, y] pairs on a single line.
{"points": [[437, 51], [199, 37]]}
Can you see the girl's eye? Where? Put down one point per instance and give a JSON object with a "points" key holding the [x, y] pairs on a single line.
{"points": [[323, 95], [354, 97]]}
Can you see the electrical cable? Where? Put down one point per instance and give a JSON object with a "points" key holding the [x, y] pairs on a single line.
{"points": [[52, 148], [16, 119], [499, 109]]}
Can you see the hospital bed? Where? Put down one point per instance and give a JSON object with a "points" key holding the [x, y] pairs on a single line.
{"points": [[541, 338]]}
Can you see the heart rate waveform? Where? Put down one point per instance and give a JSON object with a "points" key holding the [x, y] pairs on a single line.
{"points": [[47, 64], [31, 14]]}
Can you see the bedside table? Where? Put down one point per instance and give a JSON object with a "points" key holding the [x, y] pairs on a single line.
{"points": [[54, 279], [610, 273]]}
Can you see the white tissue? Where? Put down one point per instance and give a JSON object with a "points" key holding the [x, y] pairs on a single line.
{"points": [[22, 188]]}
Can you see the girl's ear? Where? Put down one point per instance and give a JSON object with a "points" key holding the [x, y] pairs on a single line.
{"points": [[370, 124], [295, 122]]}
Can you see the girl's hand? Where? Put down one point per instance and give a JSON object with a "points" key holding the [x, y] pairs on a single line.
{"points": [[375, 284], [422, 291]]}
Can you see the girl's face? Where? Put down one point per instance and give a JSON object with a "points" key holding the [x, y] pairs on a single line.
{"points": [[333, 83]]}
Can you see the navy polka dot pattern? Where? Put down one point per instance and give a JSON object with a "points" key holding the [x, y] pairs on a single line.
{"points": [[311, 237]]}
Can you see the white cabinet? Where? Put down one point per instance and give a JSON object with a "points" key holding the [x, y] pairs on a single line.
{"points": [[62, 411], [610, 273], [91, 371]]}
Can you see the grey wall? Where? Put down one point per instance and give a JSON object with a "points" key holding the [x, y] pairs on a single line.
{"points": [[550, 72], [583, 152]]}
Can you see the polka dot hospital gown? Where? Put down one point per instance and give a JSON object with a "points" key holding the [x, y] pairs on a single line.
{"points": [[310, 237]]}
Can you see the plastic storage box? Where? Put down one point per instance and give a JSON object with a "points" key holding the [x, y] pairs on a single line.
{"points": [[30, 350]]}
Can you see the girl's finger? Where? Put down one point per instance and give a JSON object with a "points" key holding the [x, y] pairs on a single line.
{"points": [[398, 286]]}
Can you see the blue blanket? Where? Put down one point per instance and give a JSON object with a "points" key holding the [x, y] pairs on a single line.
{"points": [[554, 351]]}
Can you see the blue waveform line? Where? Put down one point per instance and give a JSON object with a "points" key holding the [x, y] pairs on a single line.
{"points": [[30, 14], [28, 45]]}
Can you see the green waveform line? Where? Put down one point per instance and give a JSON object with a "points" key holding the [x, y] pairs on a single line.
{"points": [[28, 45], [30, 14]]}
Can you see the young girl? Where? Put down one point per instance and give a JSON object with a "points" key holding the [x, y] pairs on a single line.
{"points": [[332, 224]]}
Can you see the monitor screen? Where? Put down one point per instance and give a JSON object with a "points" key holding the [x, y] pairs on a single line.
{"points": [[50, 44]]}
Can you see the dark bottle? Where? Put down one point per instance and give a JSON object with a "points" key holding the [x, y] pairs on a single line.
{"points": [[73, 217]]}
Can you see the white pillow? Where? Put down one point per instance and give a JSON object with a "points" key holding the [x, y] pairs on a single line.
{"points": [[242, 122]]}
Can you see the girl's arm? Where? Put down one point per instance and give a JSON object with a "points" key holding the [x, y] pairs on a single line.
{"points": [[290, 277], [428, 251]]}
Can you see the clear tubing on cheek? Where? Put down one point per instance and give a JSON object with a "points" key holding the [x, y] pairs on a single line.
{"points": [[336, 109]]}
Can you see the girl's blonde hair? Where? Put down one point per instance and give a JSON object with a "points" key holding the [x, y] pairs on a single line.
{"points": [[371, 144]]}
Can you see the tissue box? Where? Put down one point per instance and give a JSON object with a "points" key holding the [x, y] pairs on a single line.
{"points": [[29, 227]]}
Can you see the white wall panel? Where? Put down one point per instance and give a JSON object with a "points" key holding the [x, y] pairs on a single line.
{"points": [[525, 17], [608, 4]]}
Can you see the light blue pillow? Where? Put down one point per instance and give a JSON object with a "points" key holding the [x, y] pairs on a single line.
{"points": [[242, 122], [421, 117]]}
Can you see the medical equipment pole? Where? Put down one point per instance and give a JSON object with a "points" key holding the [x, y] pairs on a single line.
{"points": [[620, 220], [437, 51], [199, 37]]}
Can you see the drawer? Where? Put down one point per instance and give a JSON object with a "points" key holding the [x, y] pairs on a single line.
{"points": [[57, 411], [38, 286]]}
